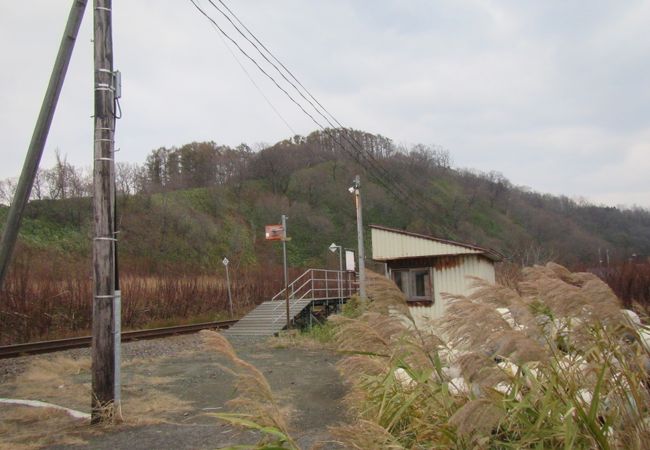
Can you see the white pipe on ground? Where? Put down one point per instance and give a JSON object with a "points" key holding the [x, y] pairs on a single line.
{"points": [[39, 404]]}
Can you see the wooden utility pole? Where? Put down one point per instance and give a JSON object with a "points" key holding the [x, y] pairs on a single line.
{"points": [[39, 136], [356, 186], [103, 347]]}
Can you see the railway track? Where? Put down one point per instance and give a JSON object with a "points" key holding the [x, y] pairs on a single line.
{"points": [[33, 348]]}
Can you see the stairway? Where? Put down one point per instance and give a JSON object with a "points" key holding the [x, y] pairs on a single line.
{"points": [[315, 285], [267, 319]]}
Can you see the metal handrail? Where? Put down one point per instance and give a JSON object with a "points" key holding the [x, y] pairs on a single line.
{"points": [[310, 285], [282, 294], [276, 296], [311, 273]]}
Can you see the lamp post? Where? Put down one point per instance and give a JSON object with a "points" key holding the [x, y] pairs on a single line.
{"points": [[333, 248], [225, 262], [356, 185], [286, 278]]}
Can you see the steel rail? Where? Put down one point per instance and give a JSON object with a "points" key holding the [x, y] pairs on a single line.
{"points": [[33, 348]]}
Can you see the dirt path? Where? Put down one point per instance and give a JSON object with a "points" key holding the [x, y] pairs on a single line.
{"points": [[305, 382]]}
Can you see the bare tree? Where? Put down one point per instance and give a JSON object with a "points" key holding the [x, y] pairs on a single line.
{"points": [[38, 188], [7, 189], [64, 180], [532, 253], [430, 156], [127, 178]]}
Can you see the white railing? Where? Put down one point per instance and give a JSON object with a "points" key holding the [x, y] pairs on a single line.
{"points": [[318, 284]]}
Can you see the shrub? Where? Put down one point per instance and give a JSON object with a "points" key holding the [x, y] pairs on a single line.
{"points": [[551, 363]]}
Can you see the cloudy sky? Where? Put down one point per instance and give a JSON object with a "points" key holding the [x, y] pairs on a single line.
{"points": [[553, 94]]}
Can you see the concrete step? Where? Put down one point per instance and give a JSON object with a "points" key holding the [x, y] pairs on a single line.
{"points": [[266, 319]]}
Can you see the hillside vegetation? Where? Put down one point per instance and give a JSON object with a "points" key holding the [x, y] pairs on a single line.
{"points": [[185, 208]]}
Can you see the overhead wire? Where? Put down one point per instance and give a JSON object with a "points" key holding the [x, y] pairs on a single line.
{"points": [[376, 169], [289, 72], [359, 147], [224, 33], [250, 78], [236, 44]]}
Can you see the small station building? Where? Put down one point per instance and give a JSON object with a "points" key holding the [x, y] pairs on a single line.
{"points": [[424, 267]]}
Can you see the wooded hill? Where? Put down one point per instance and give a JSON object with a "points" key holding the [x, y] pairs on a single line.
{"points": [[186, 207]]}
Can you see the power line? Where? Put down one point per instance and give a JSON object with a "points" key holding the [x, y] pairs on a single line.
{"points": [[360, 151], [223, 32], [254, 61], [256, 86], [267, 59], [370, 158], [374, 168], [279, 62]]}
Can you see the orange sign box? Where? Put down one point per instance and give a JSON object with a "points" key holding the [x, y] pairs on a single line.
{"points": [[274, 232]]}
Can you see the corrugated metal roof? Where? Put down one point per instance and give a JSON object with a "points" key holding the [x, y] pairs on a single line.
{"points": [[391, 243]]}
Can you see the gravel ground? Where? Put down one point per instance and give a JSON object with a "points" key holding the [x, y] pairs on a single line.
{"points": [[305, 382], [152, 348]]}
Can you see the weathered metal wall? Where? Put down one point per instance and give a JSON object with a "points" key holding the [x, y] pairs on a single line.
{"points": [[391, 245], [453, 279]]}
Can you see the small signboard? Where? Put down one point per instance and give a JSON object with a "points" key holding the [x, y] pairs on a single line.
{"points": [[274, 232], [349, 261], [225, 261]]}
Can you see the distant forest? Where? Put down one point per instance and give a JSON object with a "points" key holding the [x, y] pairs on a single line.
{"points": [[193, 204]]}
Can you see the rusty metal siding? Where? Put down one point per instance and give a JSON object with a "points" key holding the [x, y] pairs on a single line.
{"points": [[453, 280], [389, 245]]}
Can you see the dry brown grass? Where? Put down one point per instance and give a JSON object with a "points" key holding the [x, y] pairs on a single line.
{"points": [[61, 380], [149, 406], [255, 402], [631, 282], [477, 418], [42, 303], [385, 298], [375, 333], [557, 366], [569, 294], [65, 381], [24, 427], [477, 367], [365, 435]]}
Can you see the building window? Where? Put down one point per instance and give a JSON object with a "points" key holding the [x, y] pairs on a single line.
{"points": [[421, 284], [414, 283], [397, 278]]}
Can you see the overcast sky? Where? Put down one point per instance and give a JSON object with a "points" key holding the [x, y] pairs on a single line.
{"points": [[553, 94]]}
